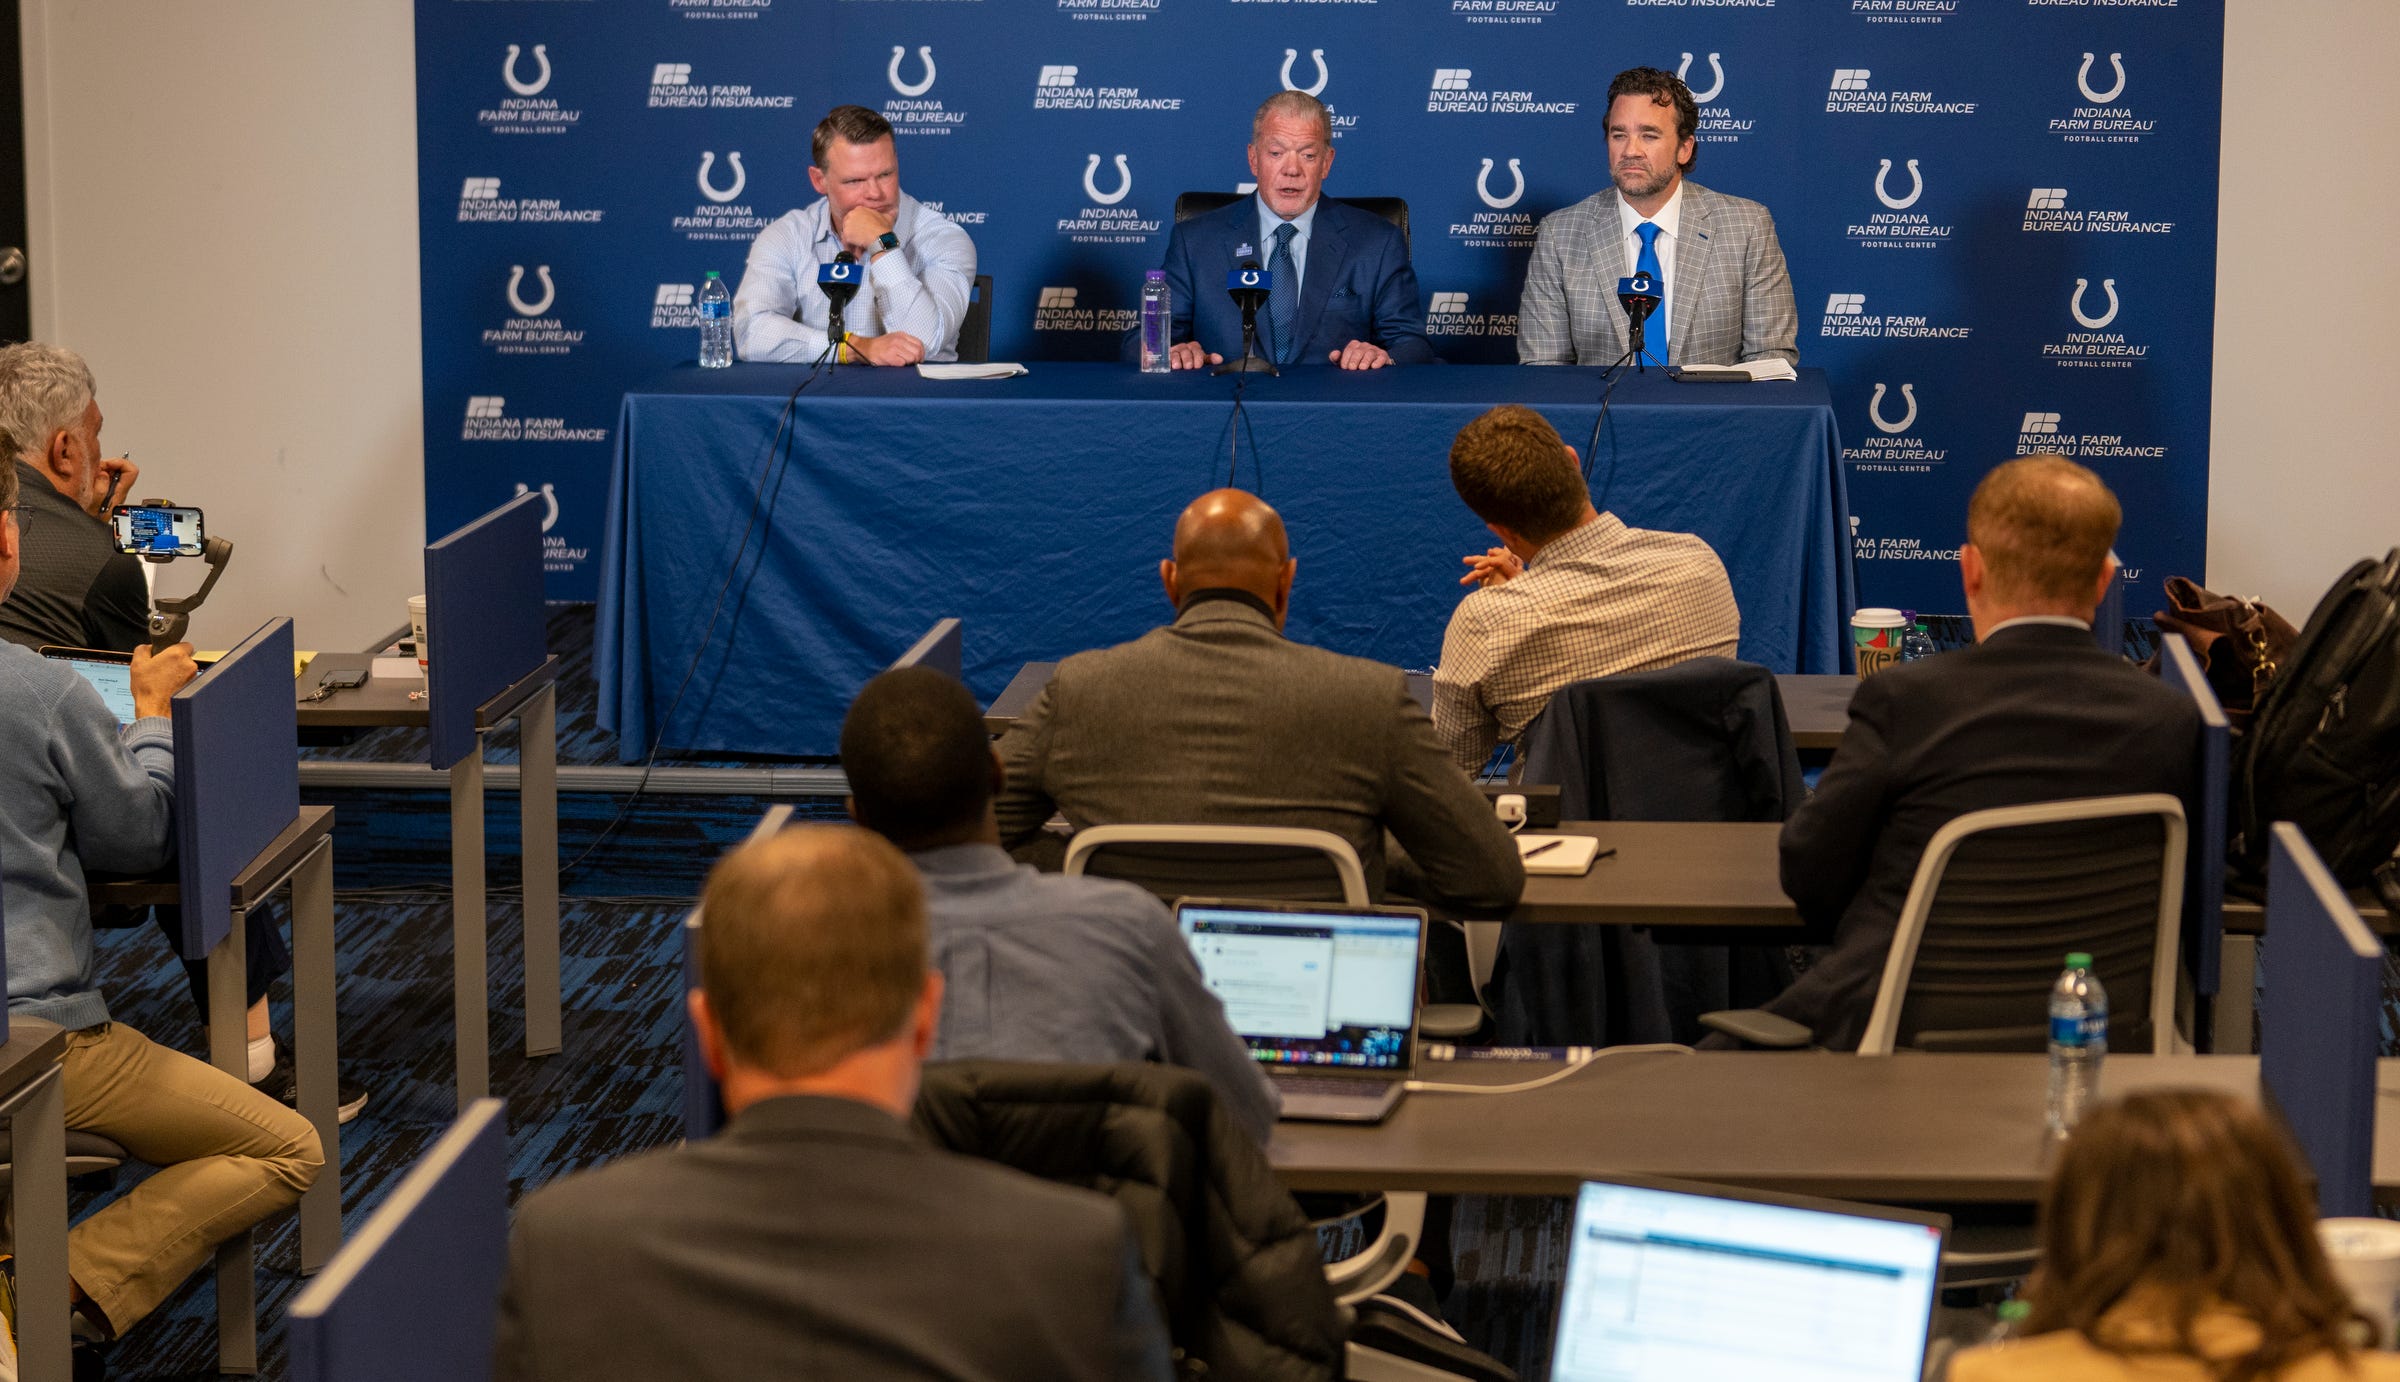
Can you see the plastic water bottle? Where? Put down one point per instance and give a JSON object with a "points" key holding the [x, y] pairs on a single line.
{"points": [[2010, 1326], [716, 323], [1158, 320], [2078, 1041], [1916, 645]]}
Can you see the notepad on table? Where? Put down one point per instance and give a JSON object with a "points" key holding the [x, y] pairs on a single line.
{"points": [[1757, 371], [997, 369], [1564, 855]]}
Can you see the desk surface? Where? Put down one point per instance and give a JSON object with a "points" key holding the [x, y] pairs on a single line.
{"points": [[32, 1047], [1951, 1129], [1668, 873], [384, 701]]}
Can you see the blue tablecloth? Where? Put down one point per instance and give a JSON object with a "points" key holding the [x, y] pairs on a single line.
{"points": [[1038, 508]]}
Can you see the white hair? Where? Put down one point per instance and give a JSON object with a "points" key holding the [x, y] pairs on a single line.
{"points": [[1293, 105], [44, 389]]}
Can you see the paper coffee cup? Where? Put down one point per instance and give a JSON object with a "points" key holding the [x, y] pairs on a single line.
{"points": [[2365, 1254], [416, 627], [1875, 639]]}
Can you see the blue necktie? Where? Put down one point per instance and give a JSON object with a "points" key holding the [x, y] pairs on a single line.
{"points": [[1283, 305], [1654, 331]]}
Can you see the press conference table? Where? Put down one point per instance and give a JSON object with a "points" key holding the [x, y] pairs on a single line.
{"points": [[1817, 705], [1037, 509]]}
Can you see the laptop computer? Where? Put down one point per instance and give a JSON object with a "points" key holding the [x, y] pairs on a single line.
{"points": [[111, 674], [1324, 995], [1674, 1281]]}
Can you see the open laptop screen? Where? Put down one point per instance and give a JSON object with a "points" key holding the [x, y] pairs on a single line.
{"points": [[1329, 986], [1676, 1284], [111, 674]]}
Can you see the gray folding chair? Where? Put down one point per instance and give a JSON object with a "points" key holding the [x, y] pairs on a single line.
{"points": [[1999, 898], [1172, 861]]}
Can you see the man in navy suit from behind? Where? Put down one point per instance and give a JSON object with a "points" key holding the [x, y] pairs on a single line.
{"points": [[1357, 303]]}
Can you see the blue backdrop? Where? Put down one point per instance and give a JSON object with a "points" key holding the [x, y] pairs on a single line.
{"points": [[2000, 214]]}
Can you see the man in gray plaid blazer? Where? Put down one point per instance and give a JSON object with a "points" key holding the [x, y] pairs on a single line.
{"points": [[1728, 294]]}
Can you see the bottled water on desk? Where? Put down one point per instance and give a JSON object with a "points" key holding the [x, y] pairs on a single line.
{"points": [[716, 324], [1158, 321], [2078, 1041], [1915, 644]]}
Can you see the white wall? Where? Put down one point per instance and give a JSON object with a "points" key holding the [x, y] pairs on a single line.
{"points": [[2305, 441], [199, 171], [223, 199]]}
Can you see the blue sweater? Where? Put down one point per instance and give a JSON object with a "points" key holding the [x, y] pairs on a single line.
{"points": [[74, 790]]}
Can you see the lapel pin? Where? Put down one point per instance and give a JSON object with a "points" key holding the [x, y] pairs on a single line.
{"points": [[1243, 251]]}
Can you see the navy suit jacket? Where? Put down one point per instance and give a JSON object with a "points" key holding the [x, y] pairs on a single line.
{"points": [[1357, 285]]}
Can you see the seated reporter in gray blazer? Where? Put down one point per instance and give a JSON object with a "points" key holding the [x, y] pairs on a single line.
{"points": [[1218, 719], [1728, 294], [816, 1236]]}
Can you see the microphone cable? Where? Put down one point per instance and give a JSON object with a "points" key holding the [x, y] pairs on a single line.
{"points": [[1591, 449], [774, 463]]}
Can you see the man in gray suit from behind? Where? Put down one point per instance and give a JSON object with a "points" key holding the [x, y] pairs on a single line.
{"points": [[1728, 294], [1218, 719], [816, 1237]]}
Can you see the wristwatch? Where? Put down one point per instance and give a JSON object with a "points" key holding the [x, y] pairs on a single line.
{"points": [[889, 241]]}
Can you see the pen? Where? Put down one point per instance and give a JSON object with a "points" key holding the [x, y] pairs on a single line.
{"points": [[113, 477], [1546, 844]]}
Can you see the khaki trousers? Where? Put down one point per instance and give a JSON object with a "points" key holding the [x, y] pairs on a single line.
{"points": [[228, 1157]]}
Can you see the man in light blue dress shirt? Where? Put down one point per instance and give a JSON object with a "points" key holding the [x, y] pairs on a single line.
{"points": [[919, 266], [1036, 966]]}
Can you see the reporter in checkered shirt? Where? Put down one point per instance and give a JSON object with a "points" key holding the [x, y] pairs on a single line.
{"points": [[1570, 594]]}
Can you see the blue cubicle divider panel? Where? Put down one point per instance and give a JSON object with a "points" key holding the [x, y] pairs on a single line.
{"points": [[412, 1295], [2204, 865], [942, 648], [2320, 1022], [2108, 622], [703, 1110], [483, 619], [237, 780]]}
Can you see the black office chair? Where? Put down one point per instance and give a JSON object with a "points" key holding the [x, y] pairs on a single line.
{"points": [[975, 328], [1392, 209]]}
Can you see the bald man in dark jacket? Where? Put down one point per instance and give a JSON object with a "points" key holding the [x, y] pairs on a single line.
{"points": [[1218, 719]]}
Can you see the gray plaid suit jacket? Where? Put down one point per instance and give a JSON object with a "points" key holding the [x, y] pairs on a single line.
{"points": [[1742, 311]]}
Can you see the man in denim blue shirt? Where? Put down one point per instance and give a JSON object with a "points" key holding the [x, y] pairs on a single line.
{"points": [[76, 791], [1038, 966]]}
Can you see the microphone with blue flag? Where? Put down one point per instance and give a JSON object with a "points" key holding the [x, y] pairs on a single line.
{"points": [[1639, 293], [839, 279], [1250, 287]]}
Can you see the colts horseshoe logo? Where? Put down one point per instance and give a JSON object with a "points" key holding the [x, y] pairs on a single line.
{"points": [[541, 60], [549, 500], [1875, 410], [2075, 303], [2083, 79], [1091, 181], [924, 55], [1292, 55], [516, 275], [1916, 186], [1483, 186], [740, 178], [1701, 98]]}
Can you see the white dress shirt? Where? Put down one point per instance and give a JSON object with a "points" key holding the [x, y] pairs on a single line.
{"points": [[1669, 221], [779, 314]]}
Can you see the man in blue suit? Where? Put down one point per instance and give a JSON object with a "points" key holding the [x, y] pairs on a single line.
{"points": [[1344, 293]]}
